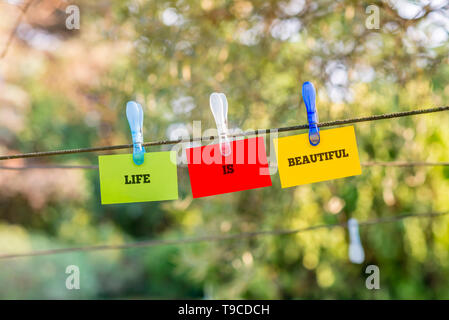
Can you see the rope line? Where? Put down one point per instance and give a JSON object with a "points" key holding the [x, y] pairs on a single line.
{"points": [[403, 164], [246, 133], [49, 167], [213, 238], [365, 164]]}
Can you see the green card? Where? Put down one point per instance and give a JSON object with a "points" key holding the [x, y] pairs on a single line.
{"points": [[123, 181]]}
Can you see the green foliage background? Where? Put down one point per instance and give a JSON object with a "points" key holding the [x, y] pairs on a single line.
{"points": [[170, 55]]}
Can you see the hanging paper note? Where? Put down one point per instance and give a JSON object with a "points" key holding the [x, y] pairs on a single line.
{"points": [[123, 181], [246, 167], [336, 156]]}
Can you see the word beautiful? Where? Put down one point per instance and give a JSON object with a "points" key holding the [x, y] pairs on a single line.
{"points": [[311, 158]]}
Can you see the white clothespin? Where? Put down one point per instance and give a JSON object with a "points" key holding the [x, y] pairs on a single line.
{"points": [[356, 253], [219, 107], [134, 113]]}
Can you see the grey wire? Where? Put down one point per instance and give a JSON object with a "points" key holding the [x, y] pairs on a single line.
{"points": [[365, 164], [247, 133], [213, 238], [403, 164], [49, 167]]}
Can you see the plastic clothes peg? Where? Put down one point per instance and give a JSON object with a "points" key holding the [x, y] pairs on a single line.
{"points": [[356, 253], [309, 96], [219, 107], [134, 113]]}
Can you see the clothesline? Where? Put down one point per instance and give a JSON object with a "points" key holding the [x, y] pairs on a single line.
{"points": [[214, 238], [365, 164], [243, 134]]}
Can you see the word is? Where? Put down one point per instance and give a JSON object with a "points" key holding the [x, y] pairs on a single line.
{"points": [[228, 169]]}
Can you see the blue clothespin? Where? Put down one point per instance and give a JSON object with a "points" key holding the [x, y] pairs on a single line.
{"points": [[134, 113], [309, 96]]}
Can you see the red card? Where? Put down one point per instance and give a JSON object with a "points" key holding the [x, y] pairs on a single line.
{"points": [[245, 168]]}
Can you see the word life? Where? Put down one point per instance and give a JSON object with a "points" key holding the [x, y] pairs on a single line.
{"points": [[311, 158], [137, 178]]}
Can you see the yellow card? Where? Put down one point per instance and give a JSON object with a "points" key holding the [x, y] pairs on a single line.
{"points": [[121, 180], [336, 156]]}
